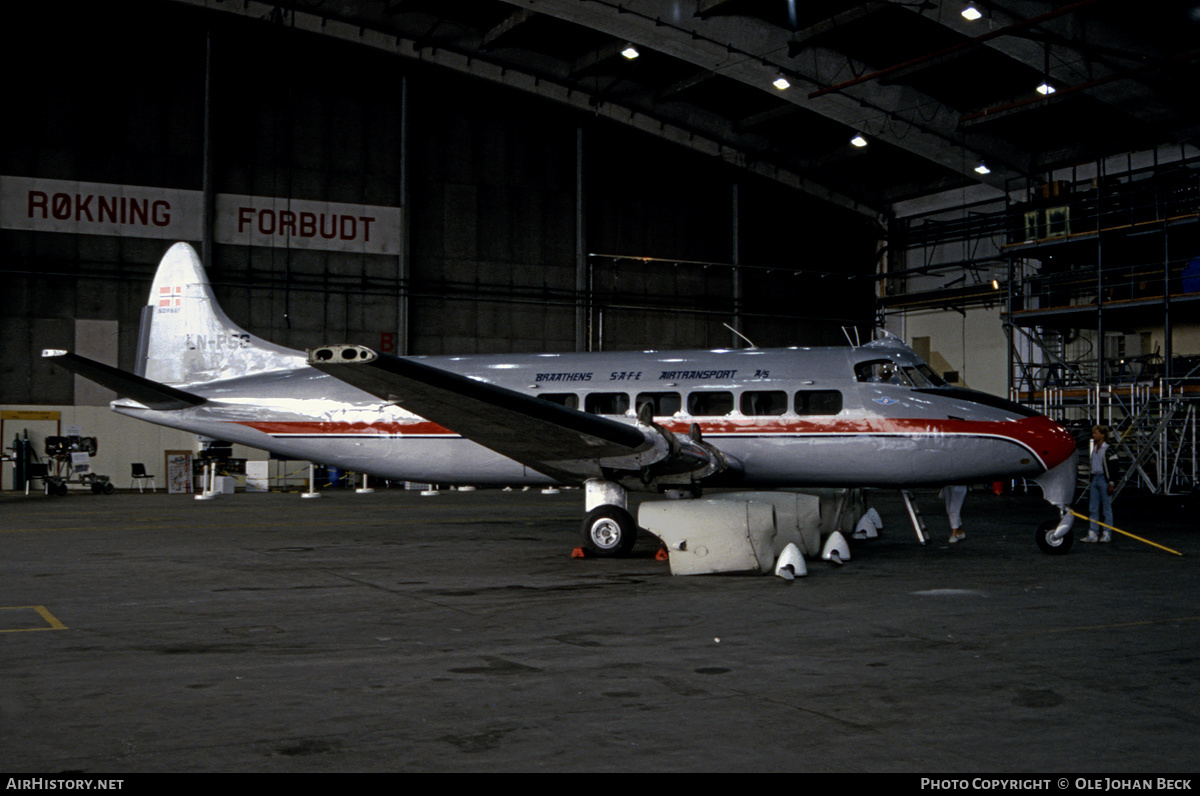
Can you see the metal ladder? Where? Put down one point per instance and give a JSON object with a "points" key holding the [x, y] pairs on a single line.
{"points": [[918, 522]]}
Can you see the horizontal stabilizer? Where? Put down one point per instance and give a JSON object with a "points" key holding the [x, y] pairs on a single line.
{"points": [[128, 385], [542, 435]]}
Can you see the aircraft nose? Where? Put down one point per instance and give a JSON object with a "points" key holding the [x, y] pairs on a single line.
{"points": [[1049, 440], [1059, 445]]}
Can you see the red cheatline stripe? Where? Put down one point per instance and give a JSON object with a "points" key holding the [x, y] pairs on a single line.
{"points": [[1041, 435], [313, 428]]}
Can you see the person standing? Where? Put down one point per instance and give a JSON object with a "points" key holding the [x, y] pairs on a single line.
{"points": [[1101, 486], [954, 497]]}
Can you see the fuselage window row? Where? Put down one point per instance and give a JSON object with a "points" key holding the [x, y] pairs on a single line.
{"points": [[706, 403]]}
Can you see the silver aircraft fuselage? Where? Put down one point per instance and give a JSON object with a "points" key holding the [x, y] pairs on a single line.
{"points": [[849, 416], [873, 415]]}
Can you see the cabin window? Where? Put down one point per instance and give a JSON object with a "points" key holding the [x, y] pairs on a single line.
{"points": [[662, 404], [818, 402], [607, 403], [764, 402], [567, 399], [710, 403]]}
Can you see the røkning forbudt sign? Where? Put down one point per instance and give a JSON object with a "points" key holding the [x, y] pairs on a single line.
{"points": [[87, 208]]}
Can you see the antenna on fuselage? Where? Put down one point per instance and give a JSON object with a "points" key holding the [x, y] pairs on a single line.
{"points": [[739, 334], [855, 342]]}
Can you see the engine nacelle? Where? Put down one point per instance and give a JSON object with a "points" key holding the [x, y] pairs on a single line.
{"points": [[340, 353]]}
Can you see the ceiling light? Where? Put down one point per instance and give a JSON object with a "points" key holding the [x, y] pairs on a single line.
{"points": [[982, 169], [630, 52], [971, 13], [858, 141], [1046, 89], [781, 83], [995, 284]]}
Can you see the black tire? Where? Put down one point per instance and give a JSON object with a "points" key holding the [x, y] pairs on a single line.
{"points": [[609, 531], [109, 488], [1058, 547]]}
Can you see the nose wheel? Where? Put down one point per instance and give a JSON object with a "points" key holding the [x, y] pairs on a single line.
{"points": [[1050, 545]]}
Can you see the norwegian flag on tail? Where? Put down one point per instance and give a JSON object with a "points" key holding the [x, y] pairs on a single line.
{"points": [[170, 296]]}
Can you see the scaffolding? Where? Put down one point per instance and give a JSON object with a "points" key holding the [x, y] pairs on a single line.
{"points": [[1097, 268], [1104, 269]]}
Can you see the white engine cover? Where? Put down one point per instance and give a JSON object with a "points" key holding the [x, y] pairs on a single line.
{"points": [[708, 536]]}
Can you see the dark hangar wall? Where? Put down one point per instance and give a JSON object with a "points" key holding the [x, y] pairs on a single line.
{"points": [[486, 178]]}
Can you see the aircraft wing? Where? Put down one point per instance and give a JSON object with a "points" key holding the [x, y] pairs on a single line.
{"points": [[128, 385], [561, 442]]}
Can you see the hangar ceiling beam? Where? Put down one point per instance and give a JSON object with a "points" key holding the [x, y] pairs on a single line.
{"points": [[1069, 55], [681, 86], [860, 11], [706, 134], [755, 53], [599, 55], [510, 23], [969, 41]]}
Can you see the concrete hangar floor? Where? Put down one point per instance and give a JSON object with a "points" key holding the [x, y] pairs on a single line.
{"points": [[394, 632]]}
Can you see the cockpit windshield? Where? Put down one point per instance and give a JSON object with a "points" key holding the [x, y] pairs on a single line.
{"points": [[924, 376], [887, 371]]}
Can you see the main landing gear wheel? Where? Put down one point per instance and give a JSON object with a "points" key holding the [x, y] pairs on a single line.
{"points": [[610, 531], [1047, 544]]}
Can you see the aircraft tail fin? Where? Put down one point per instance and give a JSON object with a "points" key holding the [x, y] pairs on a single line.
{"points": [[185, 338]]}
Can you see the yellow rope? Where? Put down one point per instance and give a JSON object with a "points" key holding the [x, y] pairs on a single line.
{"points": [[1125, 533]]}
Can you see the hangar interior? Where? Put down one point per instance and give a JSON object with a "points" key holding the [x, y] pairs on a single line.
{"points": [[1014, 192]]}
